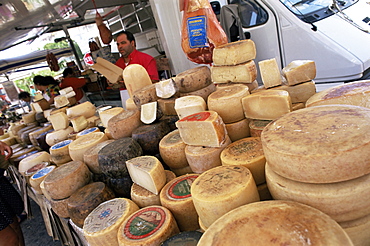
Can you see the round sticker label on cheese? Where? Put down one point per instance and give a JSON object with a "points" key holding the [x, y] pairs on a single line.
{"points": [[145, 223], [181, 188], [201, 116]]}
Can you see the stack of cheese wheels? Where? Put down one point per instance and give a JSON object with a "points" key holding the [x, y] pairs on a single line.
{"points": [[222, 189], [102, 224], [196, 82], [321, 150], [159, 225], [33, 160], [275, 222]]}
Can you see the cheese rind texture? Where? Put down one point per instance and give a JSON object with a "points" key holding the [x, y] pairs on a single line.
{"points": [[172, 150], [79, 146], [299, 71], [243, 73], [270, 73], [188, 105], [123, 124], [234, 53], [238, 130], [193, 79], [106, 115], [322, 144]]}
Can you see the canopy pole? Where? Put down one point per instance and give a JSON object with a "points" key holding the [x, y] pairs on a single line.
{"points": [[65, 29]]}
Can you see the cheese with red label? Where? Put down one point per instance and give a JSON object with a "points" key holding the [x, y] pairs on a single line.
{"points": [[243, 73], [234, 53]]}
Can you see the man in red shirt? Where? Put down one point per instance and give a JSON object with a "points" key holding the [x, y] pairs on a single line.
{"points": [[70, 80]]}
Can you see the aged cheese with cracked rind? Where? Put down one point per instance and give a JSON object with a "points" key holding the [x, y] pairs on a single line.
{"points": [[222, 189], [32, 160], [38, 177], [60, 207], [275, 223], [358, 230], [354, 93], [87, 131], [227, 98], [147, 226], [234, 53], [86, 199], [59, 153], [102, 224], [106, 115], [238, 130], [256, 127], [343, 200], [172, 150], [202, 158], [148, 172], [193, 79], [204, 92], [58, 136], [243, 73], [79, 146], [322, 144], [122, 125], [299, 71], [144, 95], [91, 156], [246, 152], [66, 179], [176, 196], [267, 105], [79, 123], [203, 129], [188, 105], [270, 73], [86, 109]]}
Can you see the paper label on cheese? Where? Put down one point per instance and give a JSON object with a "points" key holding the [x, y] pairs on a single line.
{"points": [[197, 117], [181, 188]]}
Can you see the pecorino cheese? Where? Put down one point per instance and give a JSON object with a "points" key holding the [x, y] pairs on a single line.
{"points": [[222, 189], [91, 156], [172, 150], [165, 88], [270, 73], [322, 144], [234, 53], [256, 127], [238, 130], [203, 129], [188, 105], [243, 73], [275, 223], [32, 160], [144, 198], [193, 79], [136, 77], [122, 124], [79, 123], [59, 153], [87, 131], [299, 71], [38, 177], [60, 207], [106, 115], [102, 224], [79, 146], [357, 230], [144, 95], [86, 109], [58, 136]]}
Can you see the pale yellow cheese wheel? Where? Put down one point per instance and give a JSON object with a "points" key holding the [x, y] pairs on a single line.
{"points": [[358, 230], [172, 150], [142, 197], [238, 130], [79, 146], [32, 160]]}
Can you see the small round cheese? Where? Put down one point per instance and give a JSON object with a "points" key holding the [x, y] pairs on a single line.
{"points": [[38, 177], [238, 130], [172, 150], [59, 153]]}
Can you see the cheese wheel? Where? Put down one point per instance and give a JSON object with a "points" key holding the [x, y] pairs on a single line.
{"points": [[29, 118], [91, 156], [148, 172], [182, 171], [188, 105], [143, 197], [86, 199], [34, 169], [204, 92], [33, 135], [21, 152], [246, 152], [120, 186], [102, 224], [234, 53], [59, 153], [242, 73], [58, 136], [222, 189], [228, 98], [40, 106], [322, 144], [60, 207], [238, 130], [167, 106], [343, 200], [160, 225], [122, 124], [87, 131], [79, 146], [188, 238], [25, 136], [256, 127], [79, 123], [270, 73], [202, 129], [66, 179], [170, 120], [169, 175], [136, 77], [144, 95], [272, 222], [15, 162], [201, 158], [32, 160], [176, 196], [299, 71], [193, 79], [300, 92], [358, 230], [86, 109], [172, 150], [38, 177], [106, 115], [44, 192]]}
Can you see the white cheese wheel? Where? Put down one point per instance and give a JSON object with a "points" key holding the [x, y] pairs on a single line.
{"points": [[86, 109], [234, 53], [38, 177], [238, 130], [142, 197], [172, 150], [275, 222], [136, 77], [102, 224], [193, 79], [299, 71], [242, 73], [59, 153], [32, 160], [322, 144], [91, 157], [79, 146], [106, 115], [358, 230], [343, 200], [58, 136], [222, 189], [188, 105], [123, 124]]}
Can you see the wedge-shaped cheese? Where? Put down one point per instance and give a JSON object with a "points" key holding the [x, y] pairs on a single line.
{"points": [[167, 106], [112, 72], [222, 189], [203, 129], [61, 101], [59, 153], [148, 112], [40, 105], [330, 143], [32, 160], [204, 92], [148, 172], [165, 88], [234, 53], [267, 105], [79, 146], [136, 77], [86, 109], [238, 130], [102, 224], [299, 71], [106, 115], [243, 73], [79, 123], [354, 93], [227, 98], [188, 105], [270, 73], [193, 79], [123, 124], [172, 150], [268, 220]]}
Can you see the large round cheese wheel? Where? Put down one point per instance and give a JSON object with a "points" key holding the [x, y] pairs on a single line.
{"points": [[60, 207], [193, 79], [66, 179], [220, 190], [86, 109], [91, 156], [38, 177], [106, 115], [32, 160], [176, 196], [59, 153], [322, 144], [159, 225], [122, 124], [86, 199], [172, 150], [102, 224], [238, 130], [58, 136], [343, 201], [79, 146], [358, 230], [275, 223]]}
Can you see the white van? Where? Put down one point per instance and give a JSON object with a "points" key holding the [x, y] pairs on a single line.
{"points": [[333, 33]]}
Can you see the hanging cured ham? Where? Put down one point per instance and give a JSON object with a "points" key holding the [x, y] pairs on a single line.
{"points": [[104, 32]]}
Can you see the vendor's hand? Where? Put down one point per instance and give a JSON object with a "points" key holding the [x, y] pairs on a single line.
{"points": [[6, 150]]}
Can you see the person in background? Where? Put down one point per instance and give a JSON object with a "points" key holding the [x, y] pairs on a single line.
{"points": [[11, 204], [70, 80], [26, 97], [32, 90], [3, 106], [48, 86]]}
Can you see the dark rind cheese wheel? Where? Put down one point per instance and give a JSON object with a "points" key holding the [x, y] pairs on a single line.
{"points": [[144, 95], [84, 200], [41, 140], [193, 79], [112, 157], [149, 136], [170, 120], [188, 238], [121, 186], [100, 177]]}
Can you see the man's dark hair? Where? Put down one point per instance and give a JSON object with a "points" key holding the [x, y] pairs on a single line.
{"points": [[44, 80], [24, 95], [67, 72], [38, 80], [130, 36]]}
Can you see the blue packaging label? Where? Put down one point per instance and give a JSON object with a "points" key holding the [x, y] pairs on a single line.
{"points": [[197, 31]]}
